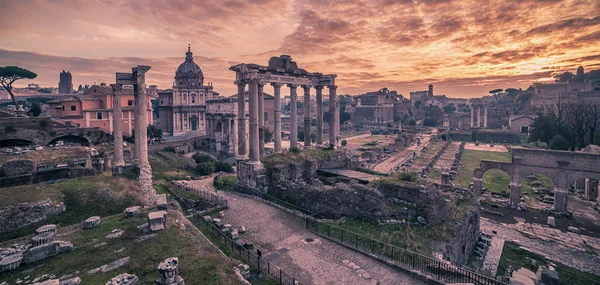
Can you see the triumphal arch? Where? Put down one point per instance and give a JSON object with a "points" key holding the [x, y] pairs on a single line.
{"points": [[563, 167]]}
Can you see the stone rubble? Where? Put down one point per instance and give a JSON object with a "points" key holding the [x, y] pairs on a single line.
{"points": [[132, 211], [113, 265], [124, 279], [115, 233], [91, 222], [169, 272]]}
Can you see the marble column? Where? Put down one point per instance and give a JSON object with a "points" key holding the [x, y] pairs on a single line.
{"points": [[472, 116], [261, 119], [242, 155], [253, 134], [307, 140], [337, 119], [277, 113], [485, 117], [332, 117], [234, 136], [479, 117], [293, 117], [141, 119], [319, 114], [117, 125]]}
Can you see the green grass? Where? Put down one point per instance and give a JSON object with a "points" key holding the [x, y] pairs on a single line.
{"points": [[170, 166], [288, 156], [101, 195], [199, 262], [471, 159], [513, 256]]}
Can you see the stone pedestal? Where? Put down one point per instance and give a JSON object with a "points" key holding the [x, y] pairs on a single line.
{"points": [[157, 220], [445, 179], [46, 228], [251, 178], [169, 272], [560, 200], [91, 222], [515, 193], [161, 202], [43, 238]]}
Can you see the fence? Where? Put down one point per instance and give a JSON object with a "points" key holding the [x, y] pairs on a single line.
{"points": [[237, 251], [209, 197], [403, 258]]}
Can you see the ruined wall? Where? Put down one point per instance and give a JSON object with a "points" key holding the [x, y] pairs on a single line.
{"points": [[22, 172], [416, 201], [465, 236], [21, 215]]}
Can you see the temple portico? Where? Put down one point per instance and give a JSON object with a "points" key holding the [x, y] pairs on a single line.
{"points": [[479, 122]]}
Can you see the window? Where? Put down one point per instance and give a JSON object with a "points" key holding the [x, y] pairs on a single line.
{"points": [[193, 99], [266, 116], [78, 125], [524, 129], [129, 102], [63, 107], [99, 116], [73, 108]]}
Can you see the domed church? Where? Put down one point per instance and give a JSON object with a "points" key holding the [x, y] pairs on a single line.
{"points": [[183, 108]]}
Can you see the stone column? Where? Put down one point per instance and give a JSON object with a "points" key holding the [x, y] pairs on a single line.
{"points": [[261, 119], [242, 155], [307, 140], [141, 140], [479, 117], [472, 116], [485, 117], [253, 106], [332, 117], [477, 186], [117, 126], [319, 114], [277, 113], [293, 117], [233, 137], [515, 193], [337, 119]]}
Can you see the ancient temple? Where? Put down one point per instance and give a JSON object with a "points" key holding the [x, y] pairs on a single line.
{"points": [[183, 108]]}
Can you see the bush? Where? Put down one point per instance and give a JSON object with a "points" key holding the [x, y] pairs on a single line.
{"points": [[407, 176], [295, 150], [224, 166], [200, 158], [344, 143], [225, 182], [412, 123], [169, 149], [205, 168], [559, 142]]}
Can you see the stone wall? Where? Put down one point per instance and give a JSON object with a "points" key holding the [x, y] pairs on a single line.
{"points": [[22, 172], [21, 215], [464, 239]]}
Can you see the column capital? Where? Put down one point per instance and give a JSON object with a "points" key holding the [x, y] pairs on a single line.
{"points": [[116, 87], [240, 83], [319, 87], [292, 86], [306, 86], [276, 84], [332, 87]]}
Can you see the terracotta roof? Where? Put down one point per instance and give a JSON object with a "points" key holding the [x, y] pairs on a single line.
{"points": [[107, 90]]}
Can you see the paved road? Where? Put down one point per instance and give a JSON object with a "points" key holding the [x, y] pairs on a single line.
{"points": [[281, 238], [388, 165]]}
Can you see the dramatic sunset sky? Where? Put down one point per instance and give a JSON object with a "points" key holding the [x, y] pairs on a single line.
{"points": [[465, 48]]}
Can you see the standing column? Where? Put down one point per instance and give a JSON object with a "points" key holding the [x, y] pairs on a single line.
{"points": [[141, 120], [319, 114], [485, 117], [479, 117], [117, 125], [307, 140], [277, 112], [234, 136], [332, 117], [472, 116], [261, 119], [253, 106], [241, 121], [337, 119], [293, 117]]}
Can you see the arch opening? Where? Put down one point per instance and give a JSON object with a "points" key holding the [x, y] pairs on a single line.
{"points": [[15, 142], [71, 139], [537, 190], [496, 180]]}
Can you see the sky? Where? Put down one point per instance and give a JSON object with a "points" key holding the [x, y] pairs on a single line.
{"points": [[463, 48]]}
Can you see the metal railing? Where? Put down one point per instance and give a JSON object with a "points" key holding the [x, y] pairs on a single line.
{"points": [[400, 257], [237, 251]]}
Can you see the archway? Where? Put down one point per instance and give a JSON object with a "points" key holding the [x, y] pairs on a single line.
{"points": [[71, 139], [15, 142], [539, 189], [496, 181]]}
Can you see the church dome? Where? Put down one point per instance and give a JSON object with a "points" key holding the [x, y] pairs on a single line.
{"points": [[189, 73]]}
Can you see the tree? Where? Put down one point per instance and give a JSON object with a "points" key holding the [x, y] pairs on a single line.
{"points": [[592, 121], [495, 91], [580, 75], [268, 135], [412, 123], [80, 88], [559, 142], [449, 109], [154, 132], [36, 110], [564, 77], [45, 90], [10, 74]]}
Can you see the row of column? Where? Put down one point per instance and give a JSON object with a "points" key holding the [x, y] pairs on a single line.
{"points": [[478, 123], [256, 116], [383, 114]]}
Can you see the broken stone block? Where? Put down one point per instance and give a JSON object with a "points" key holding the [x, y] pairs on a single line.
{"points": [[132, 211], [242, 229], [551, 221], [44, 251], [161, 202], [43, 238], [226, 231], [574, 229], [113, 265], [157, 221], [11, 262], [235, 234], [169, 272], [46, 228], [208, 219], [221, 214], [49, 282], [216, 220], [91, 222], [71, 281], [124, 279], [115, 233], [228, 226], [220, 225]]}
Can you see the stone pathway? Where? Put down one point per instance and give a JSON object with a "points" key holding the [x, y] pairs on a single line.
{"points": [[388, 165], [282, 239], [571, 249], [492, 257]]}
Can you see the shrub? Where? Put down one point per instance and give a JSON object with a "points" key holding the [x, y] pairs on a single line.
{"points": [[295, 150], [559, 142], [205, 168], [225, 182], [199, 158], [407, 176], [169, 149], [344, 142], [224, 166]]}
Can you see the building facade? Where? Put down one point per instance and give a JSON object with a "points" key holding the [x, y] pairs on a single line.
{"points": [[376, 107], [183, 108], [65, 85], [95, 109]]}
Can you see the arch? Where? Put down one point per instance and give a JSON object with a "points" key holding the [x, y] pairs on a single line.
{"points": [[72, 139], [15, 142], [218, 126]]}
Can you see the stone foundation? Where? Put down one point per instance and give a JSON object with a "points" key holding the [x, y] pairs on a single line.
{"points": [[464, 239], [46, 250], [21, 215], [251, 178]]}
